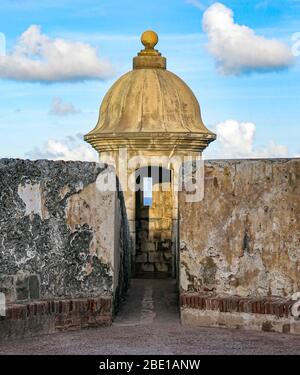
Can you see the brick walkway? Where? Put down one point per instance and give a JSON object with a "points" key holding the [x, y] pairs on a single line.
{"points": [[149, 324]]}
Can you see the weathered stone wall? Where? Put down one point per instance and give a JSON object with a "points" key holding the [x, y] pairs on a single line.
{"points": [[60, 237], [243, 238]]}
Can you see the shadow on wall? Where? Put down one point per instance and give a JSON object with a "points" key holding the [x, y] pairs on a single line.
{"points": [[153, 210]]}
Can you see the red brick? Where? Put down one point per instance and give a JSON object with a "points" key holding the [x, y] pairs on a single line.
{"points": [[76, 305], [286, 309], [221, 305], [234, 304], [247, 307], [268, 307], [106, 304], [225, 304], [200, 303], [48, 307], [281, 310], [18, 312], [29, 310], [208, 304], [65, 306], [215, 304], [241, 306], [275, 309], [188, 300], [196, 302], [40, 308]]}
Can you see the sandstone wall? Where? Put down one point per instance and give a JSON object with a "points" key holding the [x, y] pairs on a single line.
{"points": [[60, 237], [243, 238]]}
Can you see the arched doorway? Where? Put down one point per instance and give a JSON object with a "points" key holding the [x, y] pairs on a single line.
{"points": [[154, 256]]}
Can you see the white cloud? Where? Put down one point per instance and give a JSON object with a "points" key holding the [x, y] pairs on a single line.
{"points": [[236, 140], [38, 58], [237, 49], [196, 4], [60, 108], [70, 148]]}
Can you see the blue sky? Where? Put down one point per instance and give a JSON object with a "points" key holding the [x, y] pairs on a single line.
{"points": [[268, 98]]}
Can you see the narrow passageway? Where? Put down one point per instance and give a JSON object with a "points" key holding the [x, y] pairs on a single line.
{"points": [[149, 301]]}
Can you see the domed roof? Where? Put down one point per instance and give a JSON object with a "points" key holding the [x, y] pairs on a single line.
{"points": [[149, 102]]}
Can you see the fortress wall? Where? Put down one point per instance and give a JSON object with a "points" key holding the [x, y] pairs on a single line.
{"points": [[243, 239], [61, 239]]}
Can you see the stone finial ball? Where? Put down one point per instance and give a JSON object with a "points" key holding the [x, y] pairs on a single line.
{"points": [[149, 39]]}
